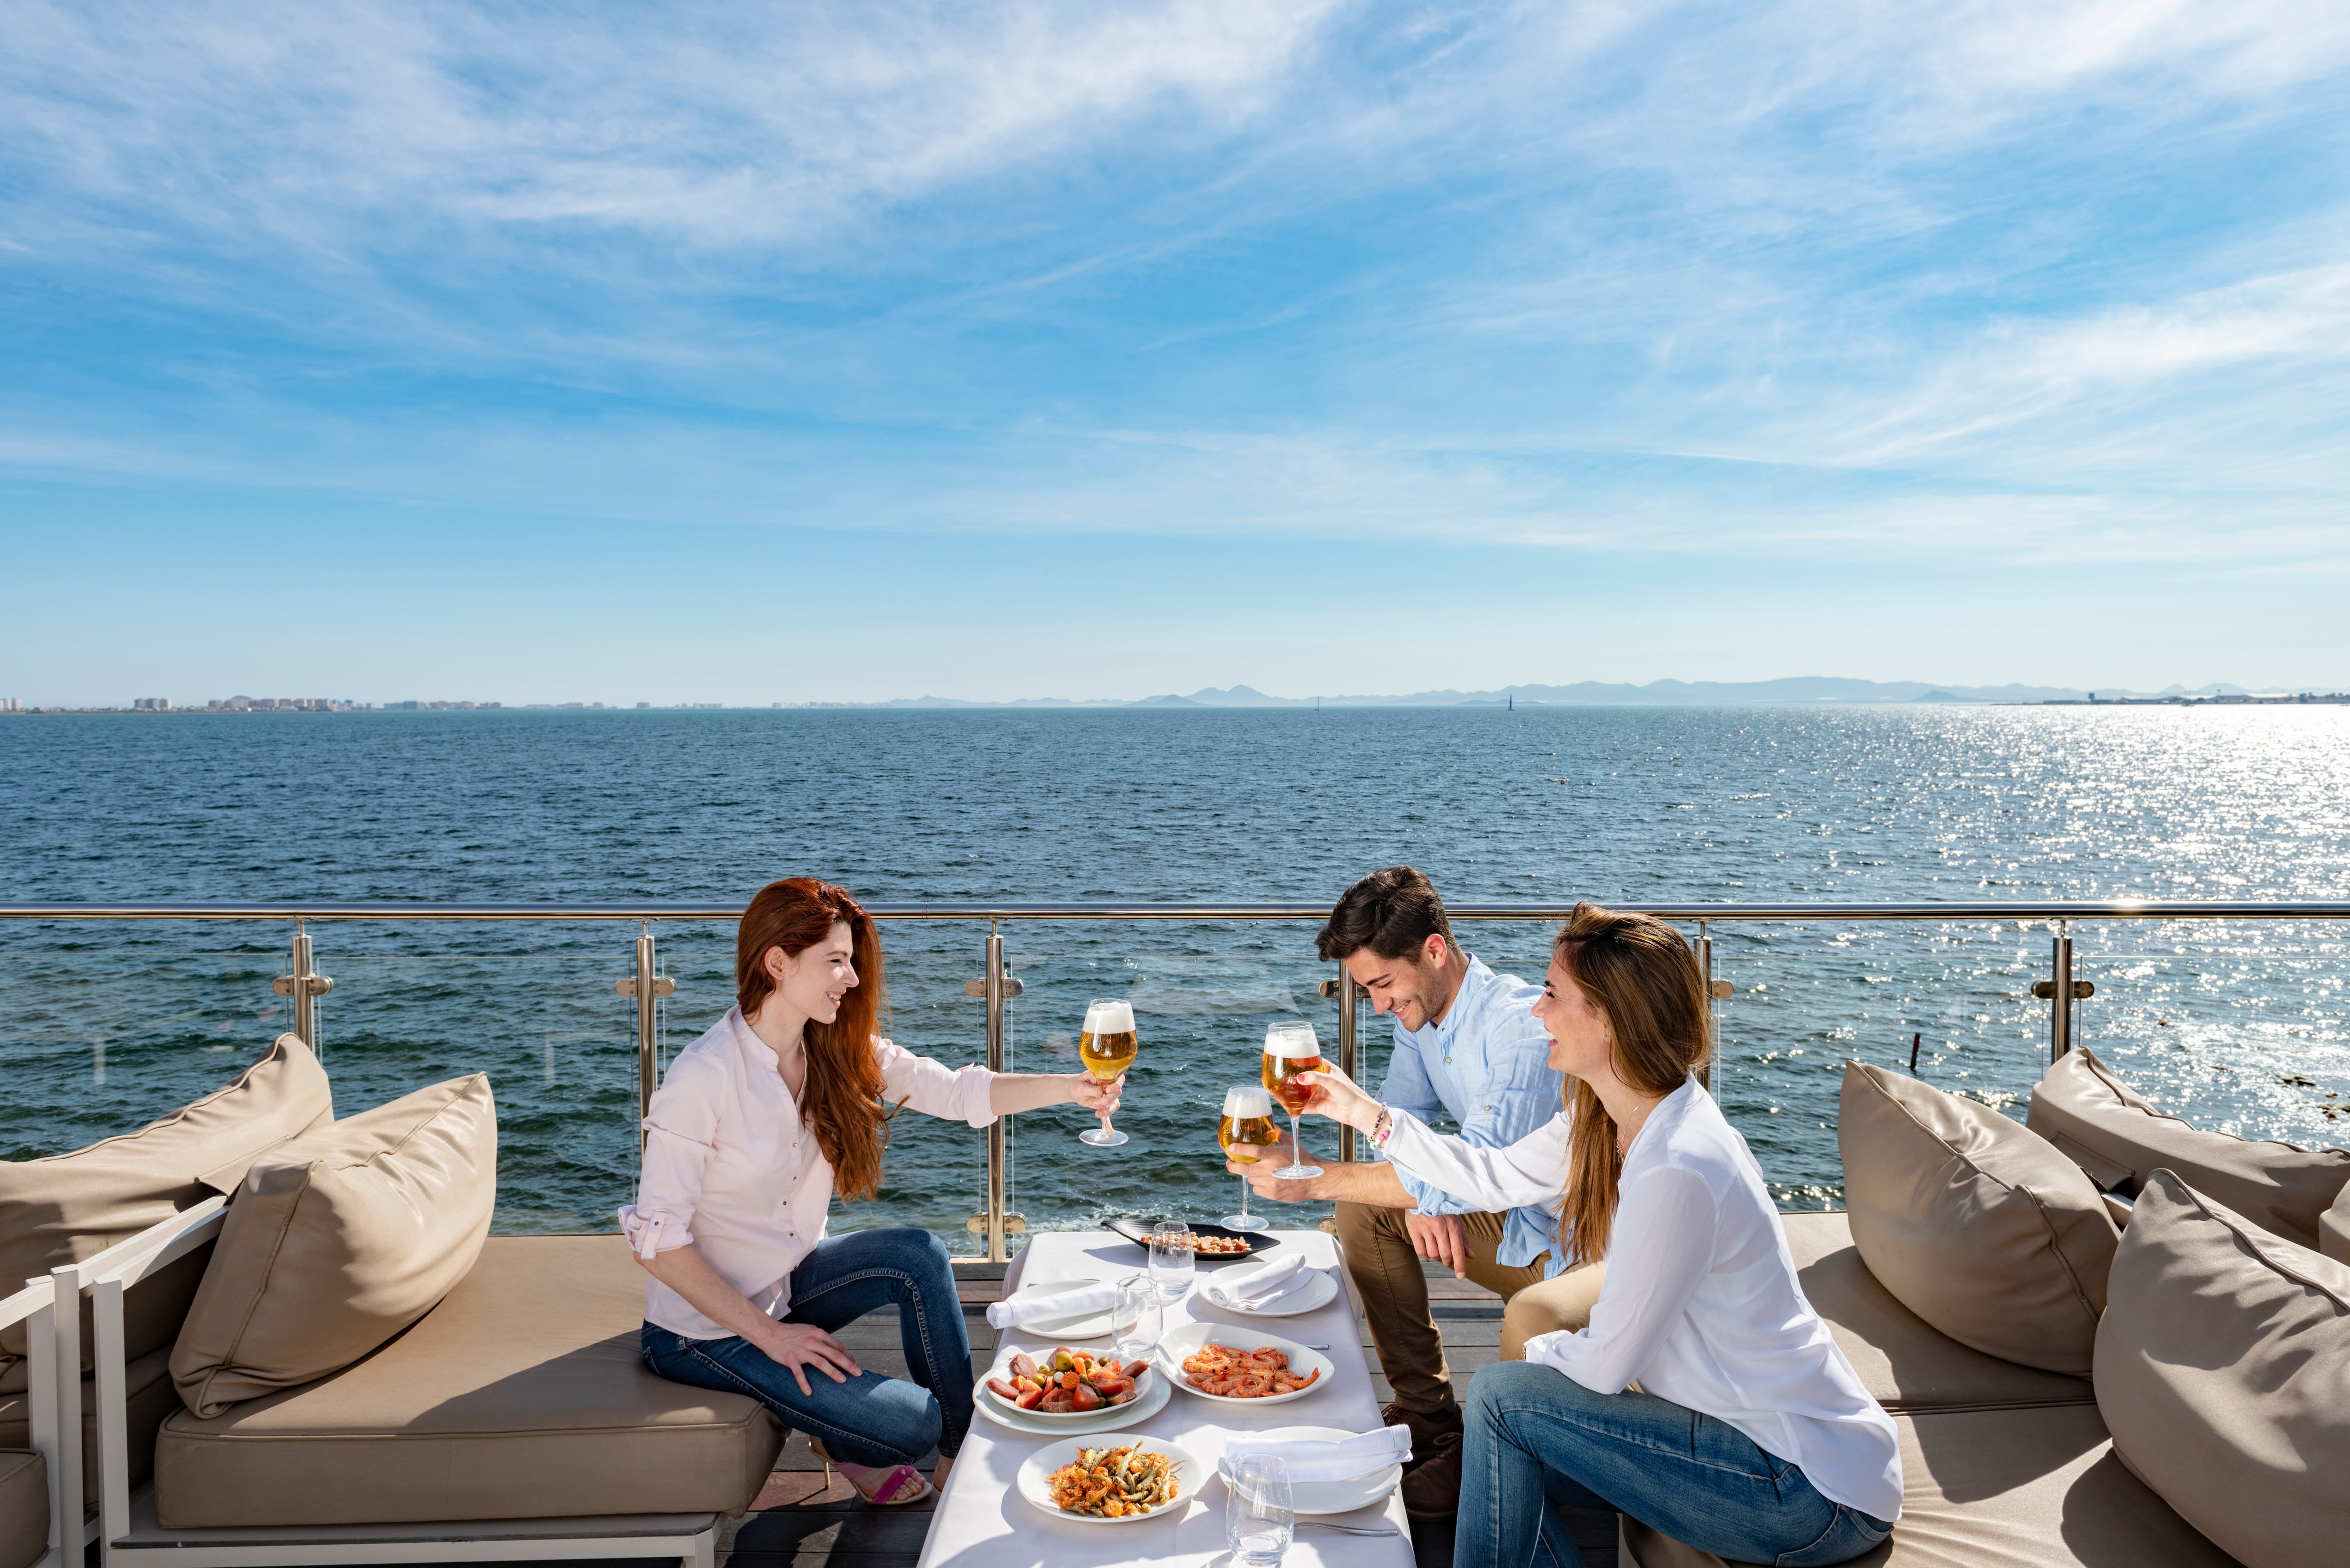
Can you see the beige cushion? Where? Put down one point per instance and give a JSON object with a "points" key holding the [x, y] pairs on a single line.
{"points": [[149, 1397], [1973, 1221], [2005, 1489], [70, 1207], [2119, 1140], [340, 1239], [1562, 1305], [2223, 1368], [24, 1508], [2334, 1229], [522, 1394], [1906, 1363]]}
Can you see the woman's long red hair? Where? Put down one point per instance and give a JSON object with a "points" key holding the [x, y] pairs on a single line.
{"points": [[841, 1101]]}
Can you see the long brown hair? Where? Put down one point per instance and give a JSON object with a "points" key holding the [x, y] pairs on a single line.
{"points": [[1640, 974], [841, 1101]]}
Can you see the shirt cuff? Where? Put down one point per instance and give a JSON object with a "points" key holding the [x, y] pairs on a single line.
{"points": [[969, 1097], [654, 1232]]}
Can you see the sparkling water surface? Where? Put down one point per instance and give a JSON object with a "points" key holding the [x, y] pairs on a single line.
{"points": [[2242, 1026]]}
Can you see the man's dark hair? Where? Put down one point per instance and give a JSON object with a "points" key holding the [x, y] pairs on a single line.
{"points": [[1392, 912]]}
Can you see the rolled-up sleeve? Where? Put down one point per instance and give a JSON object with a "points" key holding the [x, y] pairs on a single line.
{"points": [[681, 1134], [933, 1088], [1530, 1172]]}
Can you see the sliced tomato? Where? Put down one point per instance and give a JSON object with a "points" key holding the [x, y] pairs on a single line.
{"points": [[1030, 1397], [1084, 1398], [1106, 1384]]}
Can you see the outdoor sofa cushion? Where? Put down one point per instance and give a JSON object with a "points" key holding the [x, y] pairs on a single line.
{"points": [[70, 1207], [1907, 1365], [2223, 1368], [149, 1397], [1973, 1221], [523, 1394], [2334, 1229], [337, 1240], [2119, 1140], [24, 1508], [2003, 1489]]}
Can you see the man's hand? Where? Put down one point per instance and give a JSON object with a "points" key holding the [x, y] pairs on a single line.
{"points": [[1260, 1172], [797, 1346], [1440, 1238]]}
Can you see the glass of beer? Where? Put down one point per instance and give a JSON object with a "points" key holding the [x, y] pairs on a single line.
{"points": [[1248, 1118], [1107, 1047], [1291, 1049]]}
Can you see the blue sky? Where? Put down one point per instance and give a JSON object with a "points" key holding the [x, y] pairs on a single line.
{"points": [[726, 353]]}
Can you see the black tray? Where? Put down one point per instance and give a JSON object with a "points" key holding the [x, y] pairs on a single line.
{"points": [[1138, 1232]]}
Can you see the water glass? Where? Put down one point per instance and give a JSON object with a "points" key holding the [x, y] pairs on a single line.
{"points": [[1137, 1320], [1172, 1259], [1258, 1518]]}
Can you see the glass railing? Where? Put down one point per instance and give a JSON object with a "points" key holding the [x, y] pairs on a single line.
{"points": [[108, 1020]]}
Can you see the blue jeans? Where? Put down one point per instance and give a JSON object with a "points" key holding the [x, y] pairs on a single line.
{"points": [[869, 1419], [1535, 1441]]}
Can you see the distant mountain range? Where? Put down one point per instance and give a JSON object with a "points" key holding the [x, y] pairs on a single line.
{"points": [[1676, 693]]}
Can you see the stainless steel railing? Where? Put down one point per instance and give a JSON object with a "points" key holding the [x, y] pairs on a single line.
{"points": [[997, 987]]}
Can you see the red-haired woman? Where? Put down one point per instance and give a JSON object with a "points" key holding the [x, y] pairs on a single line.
{"points": [[756, 1125]]}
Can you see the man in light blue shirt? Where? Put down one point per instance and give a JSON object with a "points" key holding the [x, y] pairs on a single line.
{"points": [[1466, 1047]]}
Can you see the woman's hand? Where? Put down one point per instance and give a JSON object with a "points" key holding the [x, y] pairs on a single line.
{"points": [[1097, 1096], [797, 1346], [1336, 1096]]}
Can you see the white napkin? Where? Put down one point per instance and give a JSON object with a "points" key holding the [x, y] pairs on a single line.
{"points": [[1320, 1459], [1014, 1311], [1251, 1290]]}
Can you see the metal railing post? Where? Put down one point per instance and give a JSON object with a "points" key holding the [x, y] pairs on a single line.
{"points": [[648, 988], [997, 1251], [1713, 1026], [2060, 996], [1348, 1058], [305, 985]]}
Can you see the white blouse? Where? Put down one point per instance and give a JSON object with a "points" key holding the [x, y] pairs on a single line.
{"points": [[1700, 1305], [730, 1168]]}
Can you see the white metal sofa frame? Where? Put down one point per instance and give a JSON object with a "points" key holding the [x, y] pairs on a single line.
{"points": [[131, 1535], [35, 1307]]}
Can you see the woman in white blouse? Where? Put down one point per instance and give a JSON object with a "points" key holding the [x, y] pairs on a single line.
{"points": [[784, 1101], [1706, 1398]]}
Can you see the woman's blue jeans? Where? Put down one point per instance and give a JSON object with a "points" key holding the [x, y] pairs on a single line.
{"points": [[869, 1419], [1535, 1441]]}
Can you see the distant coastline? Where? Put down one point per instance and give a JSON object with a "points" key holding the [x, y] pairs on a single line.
{"points": [[1809, 690]]}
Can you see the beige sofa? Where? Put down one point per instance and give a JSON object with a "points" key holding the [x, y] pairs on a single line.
{"points": [[2012, 1464]]}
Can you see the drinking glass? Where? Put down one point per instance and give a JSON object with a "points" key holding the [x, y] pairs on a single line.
{"points": [[1248, 1120], [1258, 1518], [1174, 1259], [1137, 1319], [1291, 1049], [1107, 1047]]}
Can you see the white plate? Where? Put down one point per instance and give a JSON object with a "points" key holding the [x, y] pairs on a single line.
{"points": [[1032, 1482], [1182, 1342], [1155, 1394], [1092, 1325], [1317, 1294], [1057, 1420], [1334, 1497]]}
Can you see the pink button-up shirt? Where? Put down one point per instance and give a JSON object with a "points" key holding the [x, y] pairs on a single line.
{"points": [[731, 1168]]}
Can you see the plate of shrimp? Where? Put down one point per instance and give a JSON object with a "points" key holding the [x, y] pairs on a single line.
{"points": [[1233, 1365]]}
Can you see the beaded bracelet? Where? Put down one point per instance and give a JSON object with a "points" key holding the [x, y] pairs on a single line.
{"points": [[1381, 1129]]}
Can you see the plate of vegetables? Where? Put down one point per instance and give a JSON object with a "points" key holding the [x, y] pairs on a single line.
{"points": [[1065, 1384]]}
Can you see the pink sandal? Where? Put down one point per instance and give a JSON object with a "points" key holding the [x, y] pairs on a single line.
{"points": [[883, 1486]]}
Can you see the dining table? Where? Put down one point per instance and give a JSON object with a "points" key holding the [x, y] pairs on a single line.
{"points": [[982, 1521]]}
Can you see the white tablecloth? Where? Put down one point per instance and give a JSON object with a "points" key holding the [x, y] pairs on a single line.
{"points": [[982, 1522]]}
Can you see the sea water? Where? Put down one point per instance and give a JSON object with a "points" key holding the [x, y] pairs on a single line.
{"points": [[2242, 1026]]}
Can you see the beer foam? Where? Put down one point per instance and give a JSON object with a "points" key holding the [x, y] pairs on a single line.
{"points": [[1243, 1101], [1110, 1018], [1287, 1040]]}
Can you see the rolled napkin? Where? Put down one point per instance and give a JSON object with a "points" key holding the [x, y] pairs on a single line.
{"points": [[1320, 1459], [1252, 1290], [1014, 1311]]}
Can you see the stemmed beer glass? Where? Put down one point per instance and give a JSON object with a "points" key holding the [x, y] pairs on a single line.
{"points": [[1107, 1047], [1248, 1120], [1291, 1049]]}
